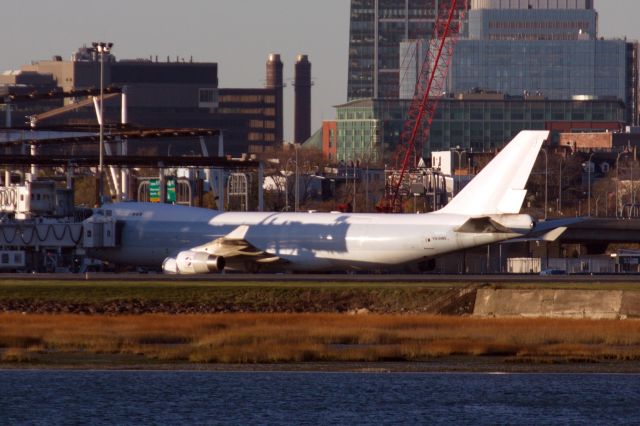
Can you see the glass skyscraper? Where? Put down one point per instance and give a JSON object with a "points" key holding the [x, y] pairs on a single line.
{"points": [[377, 28], [554, 69], [550, 51], [545, 48], [519, 64], [532, 4]]}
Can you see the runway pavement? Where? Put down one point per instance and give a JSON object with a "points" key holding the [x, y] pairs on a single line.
{"points": [[324, 278]]}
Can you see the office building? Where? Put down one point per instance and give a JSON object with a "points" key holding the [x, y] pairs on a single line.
{"points": [[368, 130], [249, 115], [516, 51], [160, 94], [377, 28], [555, 69], [532, 4], [546, 47]]}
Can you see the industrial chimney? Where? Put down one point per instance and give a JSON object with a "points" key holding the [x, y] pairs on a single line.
{"points": [[302, 83], [275, 81]]}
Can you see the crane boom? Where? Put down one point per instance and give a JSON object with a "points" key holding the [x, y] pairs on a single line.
{"points": [[429, 88]]}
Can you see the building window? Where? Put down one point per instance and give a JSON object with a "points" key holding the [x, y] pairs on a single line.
{"points": [[208, 98], [246, 99], [206, 95], [253, 136]]}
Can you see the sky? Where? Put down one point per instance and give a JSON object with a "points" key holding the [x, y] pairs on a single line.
{"points": [[237, 34]]}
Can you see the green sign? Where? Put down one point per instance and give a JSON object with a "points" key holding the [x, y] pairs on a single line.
{"points": [[171, 191], [154, 190]]}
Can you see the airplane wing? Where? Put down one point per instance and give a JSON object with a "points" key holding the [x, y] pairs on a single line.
{"points": [[232, 251], [482, 225], [542, 231], [235, 249], [550, 236], [548, 231]]}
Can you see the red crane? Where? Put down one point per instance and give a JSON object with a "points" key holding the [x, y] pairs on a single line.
{"points": [[429, 89]]}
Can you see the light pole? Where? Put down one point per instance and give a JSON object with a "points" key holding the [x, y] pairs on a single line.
{"points": [[546, 182], [458, 151], [286, 189], [286, 172], [621, 153], [355, 182], [560, 188], [589, 185], [296, 205], [633, 194], [102, 48]]}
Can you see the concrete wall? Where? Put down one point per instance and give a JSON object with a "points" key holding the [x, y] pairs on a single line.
{"points": [[587, 141], [592, 304]]}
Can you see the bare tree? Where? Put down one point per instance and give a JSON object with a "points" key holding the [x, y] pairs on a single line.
{"points": [[559, 180], [603, 196], [285, 167]]}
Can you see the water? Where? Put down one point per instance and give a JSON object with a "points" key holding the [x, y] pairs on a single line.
{"points": [[147, 397]]}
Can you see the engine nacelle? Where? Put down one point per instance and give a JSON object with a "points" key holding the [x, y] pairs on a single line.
{"points": [[193, 262]]}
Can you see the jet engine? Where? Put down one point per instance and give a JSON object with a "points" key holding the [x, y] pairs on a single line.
{"points": [[193, 262]]}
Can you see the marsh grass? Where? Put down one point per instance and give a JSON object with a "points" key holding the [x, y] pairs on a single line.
{"points": [[16, 355], [282, 338]]}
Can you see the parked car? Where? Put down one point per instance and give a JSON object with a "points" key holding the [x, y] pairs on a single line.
{"points": [[552, 272]]}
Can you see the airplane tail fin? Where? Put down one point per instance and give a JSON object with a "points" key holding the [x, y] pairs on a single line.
{"points": [[500, 187]]}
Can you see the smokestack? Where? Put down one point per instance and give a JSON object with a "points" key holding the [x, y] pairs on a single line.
{"points": [[302, 85], [275, 81]]}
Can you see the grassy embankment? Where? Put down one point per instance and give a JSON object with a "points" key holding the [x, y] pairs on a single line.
{"points": [[107, 297], [114, 297], [322, 334], [283, 338]]}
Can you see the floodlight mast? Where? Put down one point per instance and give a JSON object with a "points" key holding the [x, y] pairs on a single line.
{"points": [[103, 48]]}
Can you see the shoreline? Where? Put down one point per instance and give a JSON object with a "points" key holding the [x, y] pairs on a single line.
{"points": [[456, 365]]}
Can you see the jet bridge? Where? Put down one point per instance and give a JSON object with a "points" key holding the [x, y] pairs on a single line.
{"points": [[41, 231]]}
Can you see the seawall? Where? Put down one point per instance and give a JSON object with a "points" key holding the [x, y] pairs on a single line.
{"points": [[592, 304]]}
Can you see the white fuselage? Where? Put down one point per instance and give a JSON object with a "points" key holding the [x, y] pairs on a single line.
{"points": [[484, 212], [305, 241]]}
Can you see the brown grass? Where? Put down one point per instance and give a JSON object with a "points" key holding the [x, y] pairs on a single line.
{"points": [[281, 338]]}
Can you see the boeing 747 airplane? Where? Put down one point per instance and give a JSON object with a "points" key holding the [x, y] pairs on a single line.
{"points": [[190, 240]]}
